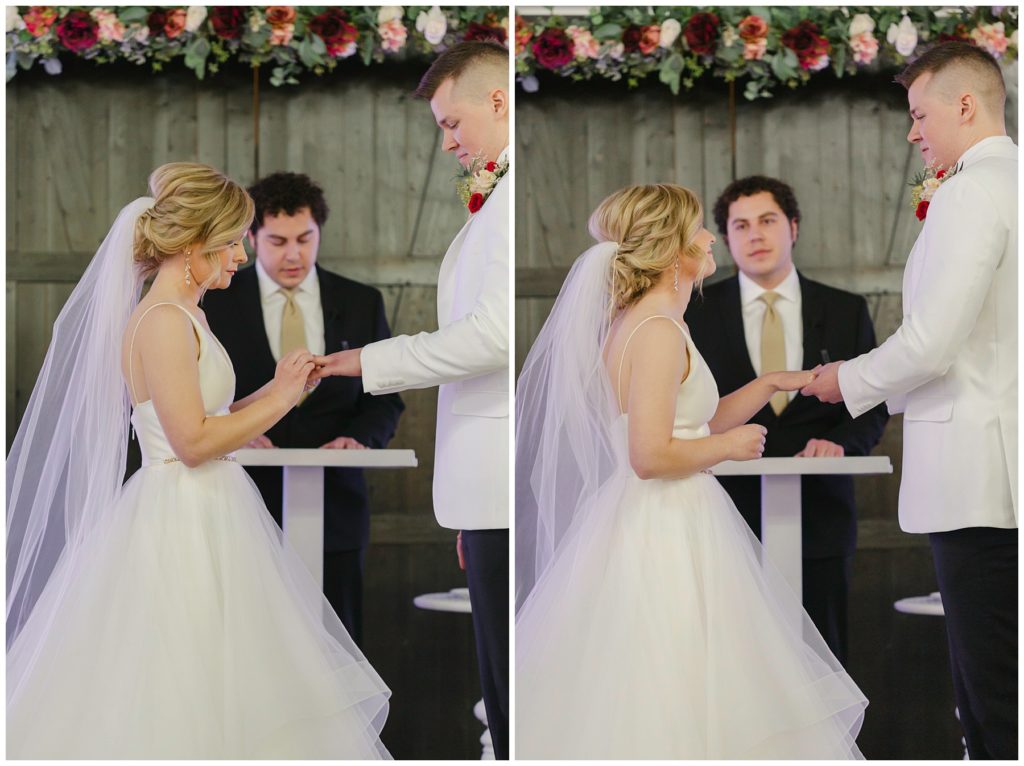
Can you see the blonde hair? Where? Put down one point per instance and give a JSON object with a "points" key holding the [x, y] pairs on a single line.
{"points": [[654, 225], [196, 206]]}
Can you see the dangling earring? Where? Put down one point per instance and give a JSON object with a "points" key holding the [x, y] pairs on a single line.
{"points": [[188, 270], [675, 281]]}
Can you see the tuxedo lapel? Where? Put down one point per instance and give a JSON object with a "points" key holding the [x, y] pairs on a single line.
{"points": [[446, 276]]}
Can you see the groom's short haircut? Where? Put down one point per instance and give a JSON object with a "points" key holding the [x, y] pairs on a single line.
{"points": [[460, 59], [287, 193], [974, 65], [748, 187]]}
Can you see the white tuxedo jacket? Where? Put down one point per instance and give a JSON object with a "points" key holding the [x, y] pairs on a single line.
{"points": [[951, 367], [468, 356]]}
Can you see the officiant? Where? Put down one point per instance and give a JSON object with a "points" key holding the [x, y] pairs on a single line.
{"points": [[286, 301]]}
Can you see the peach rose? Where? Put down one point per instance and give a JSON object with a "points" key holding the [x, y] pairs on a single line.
{"points": [[281, 16], [174, 24], [753, 28], [649, 39], [755, 49]]}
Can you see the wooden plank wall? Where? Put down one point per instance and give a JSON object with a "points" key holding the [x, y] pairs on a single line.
{"points": [[844, 152], [81, 146]]}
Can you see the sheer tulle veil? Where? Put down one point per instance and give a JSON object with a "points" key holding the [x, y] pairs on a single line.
{"points": [[566, 453], [67, 462]]}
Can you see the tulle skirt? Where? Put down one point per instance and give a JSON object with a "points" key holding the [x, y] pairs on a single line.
{"points": [[656, 633], [182, 628]]}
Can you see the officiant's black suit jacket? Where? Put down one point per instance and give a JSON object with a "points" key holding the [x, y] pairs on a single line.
{"points": [[835, 321], [353, 316]]}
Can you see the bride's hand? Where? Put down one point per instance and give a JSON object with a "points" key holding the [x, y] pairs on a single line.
{"points": [[746, 442], [292, 374], [791, 381]]}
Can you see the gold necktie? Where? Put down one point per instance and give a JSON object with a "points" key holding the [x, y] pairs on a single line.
{"points": [[293, 326], [773, 347]]}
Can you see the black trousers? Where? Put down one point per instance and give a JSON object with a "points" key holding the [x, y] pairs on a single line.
{"points": [[486, 555], [826, 587], [343, 587], [977, 573]]}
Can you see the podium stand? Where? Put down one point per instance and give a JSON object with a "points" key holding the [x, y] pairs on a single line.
{"points": [[303, 512], [781, 502]]}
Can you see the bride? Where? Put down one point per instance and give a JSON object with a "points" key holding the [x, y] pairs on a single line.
{"points": [[165, 618], [647, 626]]}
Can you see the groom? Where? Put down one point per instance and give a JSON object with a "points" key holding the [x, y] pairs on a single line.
{"points": [[468, 356], [951, 368]]}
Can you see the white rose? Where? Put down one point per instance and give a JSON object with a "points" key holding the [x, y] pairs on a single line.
{"points": [[433, 24], [389, 13], [141, 34], [729, 37], [670, 29], [194, 17], [904, 36], [14, 19], [861, 23]]}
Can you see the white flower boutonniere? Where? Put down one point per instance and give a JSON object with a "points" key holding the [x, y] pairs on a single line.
{"points": [[476, 182]]}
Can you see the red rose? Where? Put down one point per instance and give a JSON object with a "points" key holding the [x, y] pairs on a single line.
{"points": [[649, 39], [523, 34], [922, 209], [227, 21], [175, 23], [701, 33], [475, 202], [477, 31], [332, 26], [156, 21], [631, 38], [941, 173], [77, 31], [960, 34], [490, 167], [806, 41], [752, 29], [39, 19], [553, 49]]}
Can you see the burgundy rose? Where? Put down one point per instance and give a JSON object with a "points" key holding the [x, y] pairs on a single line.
{"points": [[475, 202], [228, 21], [922, 209], [631, 38], [77, 31], [960, 35], [701, 33], [553, 49], [477, 31], [156, 21], [333, 27], [807, 42]]}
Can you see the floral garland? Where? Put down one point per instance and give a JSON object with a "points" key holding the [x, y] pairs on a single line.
{"points": [[766, 47], [289, 39]]}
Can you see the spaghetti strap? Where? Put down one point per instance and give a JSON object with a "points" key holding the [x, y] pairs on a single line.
{"points": [[622, 356], [131, 345]]}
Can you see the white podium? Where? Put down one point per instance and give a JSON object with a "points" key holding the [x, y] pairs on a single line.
{"points": [[781, 502], [303, 512]]}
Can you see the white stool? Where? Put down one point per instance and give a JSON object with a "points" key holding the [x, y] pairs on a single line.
{"points": [[457, 600]]}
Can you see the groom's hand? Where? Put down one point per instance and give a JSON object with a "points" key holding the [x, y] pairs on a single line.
{"points": [[826, 385], [822, 448], [344, 363]]}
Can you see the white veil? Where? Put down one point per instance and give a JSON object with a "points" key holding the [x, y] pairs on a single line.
{"points": [[566, 450], [68, 459]]}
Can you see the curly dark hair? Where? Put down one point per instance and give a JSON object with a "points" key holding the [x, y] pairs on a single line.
{"points": [[749, 186], [287, 193]]}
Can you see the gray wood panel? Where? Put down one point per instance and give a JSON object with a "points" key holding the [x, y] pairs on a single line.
{"points": [[82, 146]]}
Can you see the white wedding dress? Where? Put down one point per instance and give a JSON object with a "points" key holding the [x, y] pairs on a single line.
{"points": [[656, 633], [185, 629]]}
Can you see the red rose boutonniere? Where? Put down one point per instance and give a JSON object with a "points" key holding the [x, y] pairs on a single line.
{"points": [[476, 182], [925, 184]]}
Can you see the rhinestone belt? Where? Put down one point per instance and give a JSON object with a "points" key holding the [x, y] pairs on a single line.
{"points": [[226, 458]]}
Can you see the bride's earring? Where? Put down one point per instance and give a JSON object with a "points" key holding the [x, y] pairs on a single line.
{"points": [[188, 269], [675, 281]]}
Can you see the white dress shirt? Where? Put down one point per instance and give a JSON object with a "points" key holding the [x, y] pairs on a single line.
{"points": [[789, 307], [273, 300]]}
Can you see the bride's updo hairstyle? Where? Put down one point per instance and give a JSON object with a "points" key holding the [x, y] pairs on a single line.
{"points": [[654, 224], [196, 206]]}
